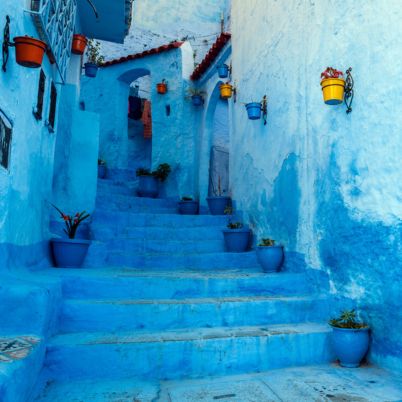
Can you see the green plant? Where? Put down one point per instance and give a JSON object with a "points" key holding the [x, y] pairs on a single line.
{"points": [[235, 225], [267, 243], [187, 198], [161, 172], [93, 52], [231, 225], [101, 162], [143, 172], [72, 222], [347, 319], [195, 92]]}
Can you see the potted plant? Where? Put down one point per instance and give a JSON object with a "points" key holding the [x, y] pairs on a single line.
{"points": [[218, 202], [333, 86], [70, 252], [29, 51], [102, 170], [149, 181], [188, 206], [236, 236], [94, 58], [223, 70], [350, 339], [161, 87], [226, 90], [254, 110], [196, 96], [269, 255], [79, 44]]}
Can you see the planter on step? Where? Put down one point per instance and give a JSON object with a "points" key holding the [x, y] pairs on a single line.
{"points": [[197, 100], [79, 44], [69, 253], [148, 186], [91, 69], [29, 51], [102, 170], [217, 205], [350, 345], [254, 110], [188, 207], [226, 91], [223, 70], [236, 240], [270, 257]]}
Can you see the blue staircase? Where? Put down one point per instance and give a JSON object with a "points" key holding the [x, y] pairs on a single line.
{"points": [[159, 299]]}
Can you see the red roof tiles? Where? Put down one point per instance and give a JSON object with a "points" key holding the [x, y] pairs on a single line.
{"points": [[216, 48], [156, 50]]}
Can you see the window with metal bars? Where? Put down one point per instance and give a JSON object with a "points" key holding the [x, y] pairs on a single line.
{"points": [[41, 93], [52, 109], [6, 130]]}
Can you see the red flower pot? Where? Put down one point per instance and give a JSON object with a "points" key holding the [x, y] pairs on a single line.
{"points": [[79, 44], [29, 51]]}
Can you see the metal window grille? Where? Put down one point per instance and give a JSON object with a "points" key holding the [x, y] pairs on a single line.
{"points": [[41, 92], [52, 109], [6, 130], [54, 21]]}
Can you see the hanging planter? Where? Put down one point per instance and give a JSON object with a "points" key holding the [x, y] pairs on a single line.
{"points": [[223, 71], [196, 96], [226, 91], [79, 44], [254, 110], [94, 58], [197, 100], [29, 51], [333, 86], [91, 69], [161, 87]]}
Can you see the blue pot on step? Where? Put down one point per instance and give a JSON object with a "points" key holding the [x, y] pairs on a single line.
{"points": [[270, 257], [254, 110], [236, 240], [350, 345], [217, 205], [148, 186], [91, 69], [101, 171], [188, 207], [223, 70], [197, 100], [69, 253]]}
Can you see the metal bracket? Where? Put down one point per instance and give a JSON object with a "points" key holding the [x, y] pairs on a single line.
{"points": [[349, 90], [264, 109], [6, 43]]}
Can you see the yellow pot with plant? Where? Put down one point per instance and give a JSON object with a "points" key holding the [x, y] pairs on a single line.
{"points": [[333, 86], [226, 91]]}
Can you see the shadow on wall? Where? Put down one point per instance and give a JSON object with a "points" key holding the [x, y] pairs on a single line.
{"points": [[364, 261]]}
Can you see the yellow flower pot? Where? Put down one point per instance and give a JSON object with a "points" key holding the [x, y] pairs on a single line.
{"points": [[333, 90], [226, 91]]}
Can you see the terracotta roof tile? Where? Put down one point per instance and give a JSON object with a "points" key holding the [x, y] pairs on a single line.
{"points": [[209, 58], [156, 50]]}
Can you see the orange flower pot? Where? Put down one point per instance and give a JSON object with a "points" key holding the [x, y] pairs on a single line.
{"points": [[161, 88], [79, 44], [29, 51]]}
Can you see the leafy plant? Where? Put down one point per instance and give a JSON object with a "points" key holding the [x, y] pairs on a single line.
{"points": [[231, 225], [347, 319], [331, 73], [93, 52], [72, 222], [143, 172], [195, 92], [187, 198], [161, 173], [267, 243], [101, 162], [235, 225]]}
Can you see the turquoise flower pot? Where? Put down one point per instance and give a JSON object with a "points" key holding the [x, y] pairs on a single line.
{"points": [[223, 71], [188, 207], [254, 110], [197, 100], [270, 257], [91, 69], [101, 171], [217, 205], [148, 186], [69, 253], [236, 240]]}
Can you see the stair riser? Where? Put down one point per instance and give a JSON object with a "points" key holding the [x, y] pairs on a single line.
{"points": [[117, 206], [129, 200], [159, 246], [129, 287], [183, 359], [99, 317]]}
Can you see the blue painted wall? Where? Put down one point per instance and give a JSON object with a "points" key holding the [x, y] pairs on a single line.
{"points": [[324, 183]]}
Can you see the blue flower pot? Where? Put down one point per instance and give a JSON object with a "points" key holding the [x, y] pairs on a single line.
{"points": [[236, 240], [102, 171], [254, 110], [270, 258], [197, 100], [350, 345], [91, 69], [69, 253], [188, 207], [217, 205], [148, 186], [223, 71]]}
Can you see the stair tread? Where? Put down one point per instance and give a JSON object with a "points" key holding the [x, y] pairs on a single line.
{"points": [[177, 335]]}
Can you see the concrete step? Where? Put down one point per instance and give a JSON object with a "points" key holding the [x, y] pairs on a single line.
{"points": [[108, 186], [167, 261], [105, 198], [130, 315], [128, 219], [149, 245], [20, 367], [187, 353], [112, 283]]}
